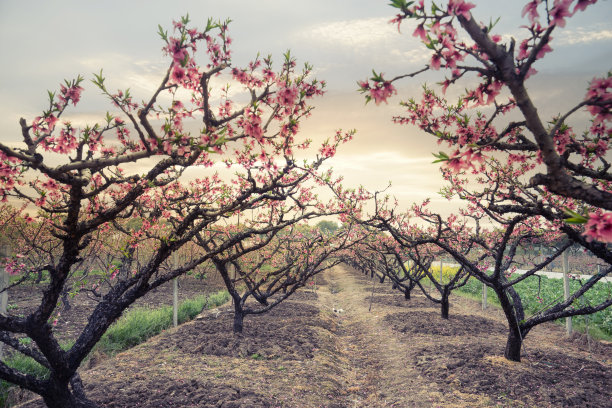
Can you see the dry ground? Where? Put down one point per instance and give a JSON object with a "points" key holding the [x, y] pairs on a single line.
{"points": [[326, 349]]}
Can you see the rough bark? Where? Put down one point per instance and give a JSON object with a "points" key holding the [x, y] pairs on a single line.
{"points": [[59, 395], [513, 346], [238, 318], [444, 305]]}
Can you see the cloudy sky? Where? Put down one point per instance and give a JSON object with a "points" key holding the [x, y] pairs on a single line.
{"points": [[43, 42]]}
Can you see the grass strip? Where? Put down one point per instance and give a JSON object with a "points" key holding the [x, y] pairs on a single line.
{"points": [[139, 324]]}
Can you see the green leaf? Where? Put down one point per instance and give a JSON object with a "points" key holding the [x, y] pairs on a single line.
{"points": [[575, 220], [574, 217], [400, 4], [163, 34], [492, 24], [209, 25], [441, 156]]}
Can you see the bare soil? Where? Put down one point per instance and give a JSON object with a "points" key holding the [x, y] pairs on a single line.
{"points": [[325, 349]]}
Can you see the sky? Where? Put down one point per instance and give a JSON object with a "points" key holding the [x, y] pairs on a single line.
{"points": [[43, 42]]}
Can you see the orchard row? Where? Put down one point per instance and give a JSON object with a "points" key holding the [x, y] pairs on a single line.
{"points": [[78, 205]]}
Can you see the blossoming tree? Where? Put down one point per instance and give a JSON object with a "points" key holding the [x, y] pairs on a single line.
{"points": [[519, 177], [271, 267], [121, 184], [566, 162]]}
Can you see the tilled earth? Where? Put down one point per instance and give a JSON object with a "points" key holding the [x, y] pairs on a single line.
{"points": [[326, 349]]}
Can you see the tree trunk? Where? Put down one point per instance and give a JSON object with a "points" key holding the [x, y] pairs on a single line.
{"points": [[444, 304], [513, 309], [65, 301], [238, 318], [407, 294], [59, 395], [513, 346]]}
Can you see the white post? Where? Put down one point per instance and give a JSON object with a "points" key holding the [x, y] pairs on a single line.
{"points": [[4, 283], [174, 293], [484, 296], [566, 290], [175, 302], [441, 267]]}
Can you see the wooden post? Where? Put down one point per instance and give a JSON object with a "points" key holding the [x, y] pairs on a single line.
{"points": [[174, 293], [175, 302], [4, 283], [566, 290], [484, 296], [372, 295]]}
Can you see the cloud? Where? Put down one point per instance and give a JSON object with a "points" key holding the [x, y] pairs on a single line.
{"points": [[584, 35], [416, 55], [357, 35]]}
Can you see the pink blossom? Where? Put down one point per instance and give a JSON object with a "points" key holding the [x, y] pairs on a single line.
{"points": [[435, 62], [544, 50], [582, 5], [460, 8], [599, 227], [599, 90], [50, 185], [420, 32], [531, 9], [382, 91], [269, 75], [523, 50], [70, 94], [178, 74], [397, 20], [286, 96], [456, 162], [176, 50], [327, 150], [531, 71], [560, 11]]}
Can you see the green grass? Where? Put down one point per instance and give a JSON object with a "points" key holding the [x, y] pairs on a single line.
{"points": [[140, 324], [551, 291], [25, 365]]}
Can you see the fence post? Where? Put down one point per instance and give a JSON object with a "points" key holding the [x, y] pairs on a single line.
{"points": [[4, 282], [566, 290], [174, 293], [484, 296], [175, 302]]}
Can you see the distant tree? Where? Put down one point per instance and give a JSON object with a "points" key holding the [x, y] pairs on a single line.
{"points": [[327, 227], [271, 267]]}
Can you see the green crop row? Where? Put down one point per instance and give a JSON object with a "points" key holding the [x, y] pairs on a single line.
{"points": [[536, 296]]}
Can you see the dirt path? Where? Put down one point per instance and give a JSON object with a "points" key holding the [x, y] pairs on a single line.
{"points": [[381, 372]]}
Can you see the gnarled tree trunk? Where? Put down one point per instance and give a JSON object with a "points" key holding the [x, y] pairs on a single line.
{"points": [[61, 395]]}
